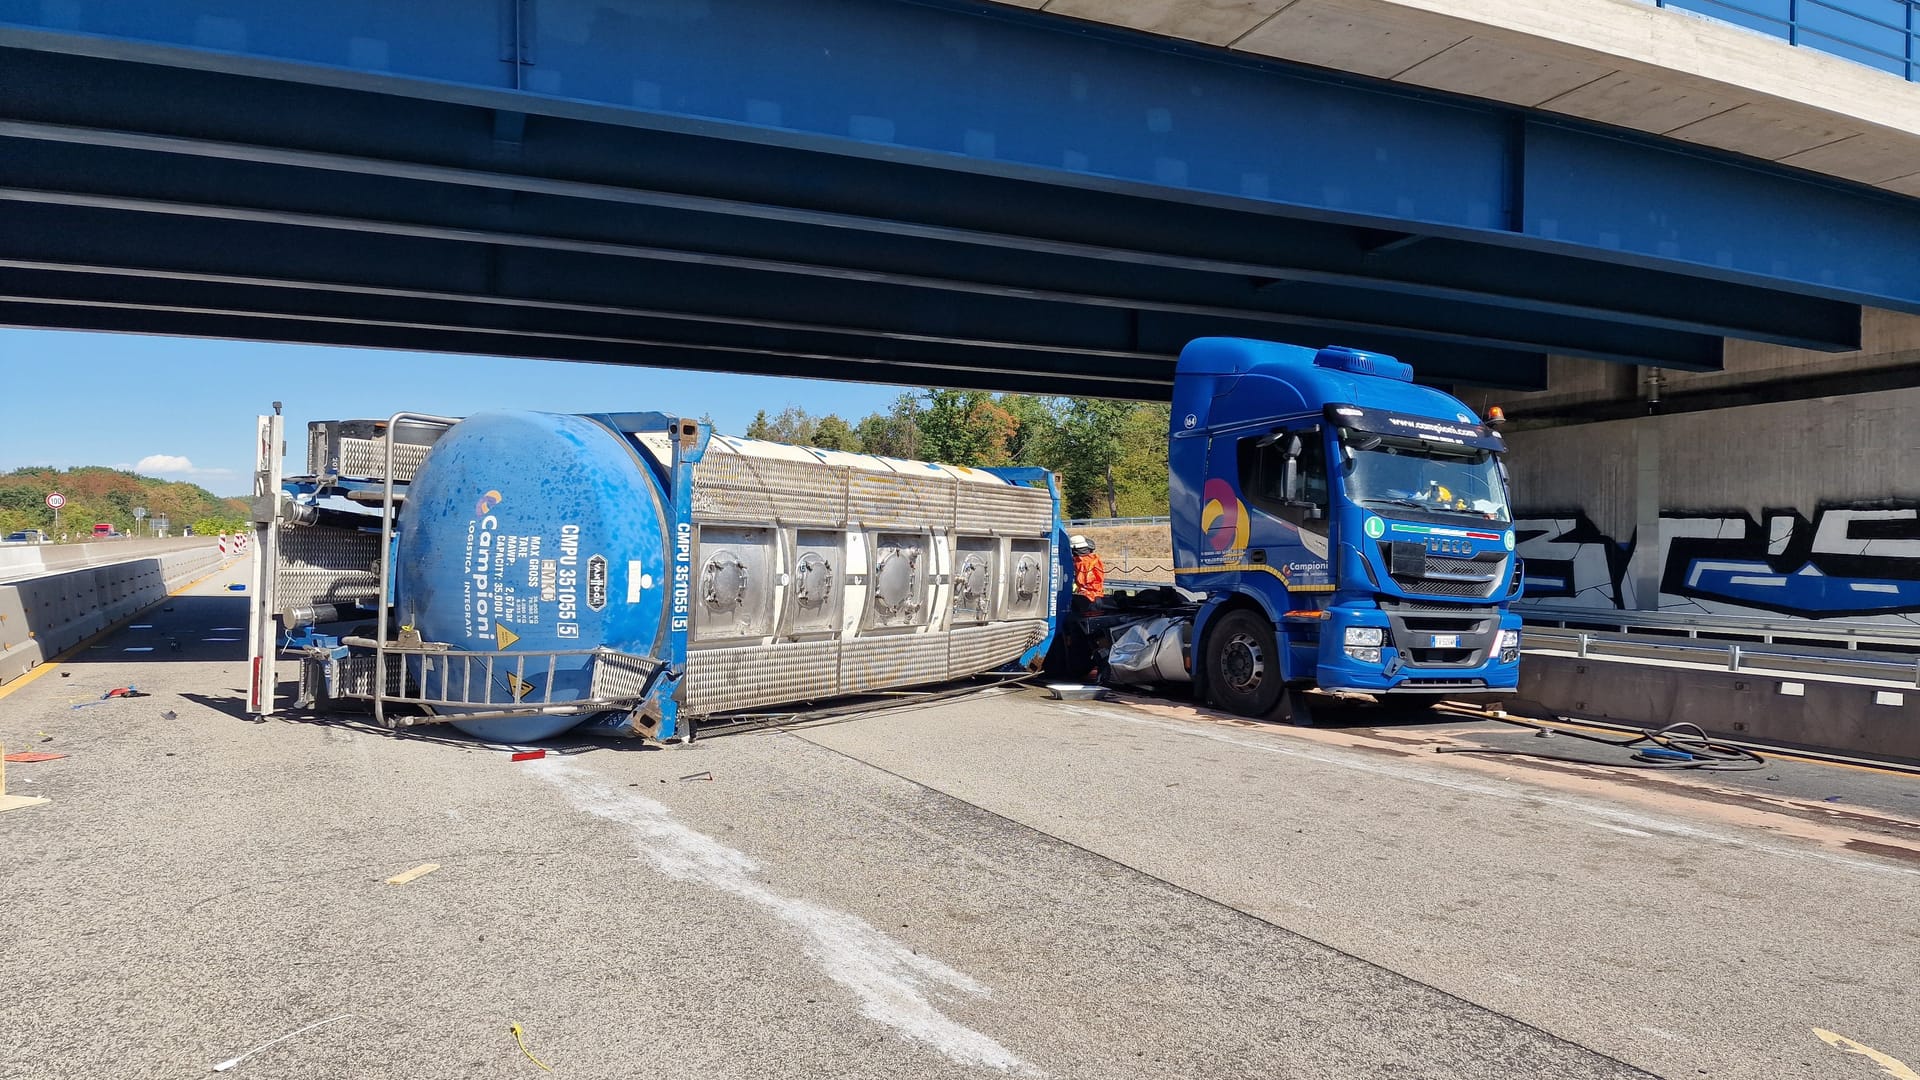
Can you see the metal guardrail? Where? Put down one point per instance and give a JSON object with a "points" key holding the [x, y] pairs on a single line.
{"points": [[1851, 636], [1879, 33], [1733, 655], [1095, 523]]}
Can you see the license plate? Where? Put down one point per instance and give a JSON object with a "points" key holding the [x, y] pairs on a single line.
{"points": [[1445, 641]]}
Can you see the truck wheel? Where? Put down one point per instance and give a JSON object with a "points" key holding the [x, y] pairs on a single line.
{"points": [[1243, 664]]}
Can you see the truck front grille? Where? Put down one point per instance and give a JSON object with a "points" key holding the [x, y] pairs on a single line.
{"points": [[1414, 570]]}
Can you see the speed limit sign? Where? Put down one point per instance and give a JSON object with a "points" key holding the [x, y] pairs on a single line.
{"points": [[55, 500]]}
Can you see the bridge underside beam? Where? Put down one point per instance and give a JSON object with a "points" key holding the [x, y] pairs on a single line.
{"points": [[177, 191]]}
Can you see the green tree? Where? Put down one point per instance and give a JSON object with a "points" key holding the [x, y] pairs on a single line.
{"points": [[1090, 444], [894, 433], [1140, 473], [832, 433], [760, 428], [1036, 434], [966, 427]]}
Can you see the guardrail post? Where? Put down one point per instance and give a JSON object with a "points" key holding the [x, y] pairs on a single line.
{"points": [[1733, 656], [1583, 645]]}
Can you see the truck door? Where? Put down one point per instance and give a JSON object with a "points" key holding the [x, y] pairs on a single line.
{"points": [[1283, 474]]}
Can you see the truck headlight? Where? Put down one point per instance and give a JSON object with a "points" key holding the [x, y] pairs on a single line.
{"points": [[1371, 636], [1509, 646], [1364, 655]]}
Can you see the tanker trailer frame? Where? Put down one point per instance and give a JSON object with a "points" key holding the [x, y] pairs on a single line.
{"points": [[762, 574]]}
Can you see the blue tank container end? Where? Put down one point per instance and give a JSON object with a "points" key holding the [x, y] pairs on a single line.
{"points": [[534, 532]]}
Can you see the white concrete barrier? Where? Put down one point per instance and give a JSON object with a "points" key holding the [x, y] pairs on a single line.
{"points": [[40, 617]]}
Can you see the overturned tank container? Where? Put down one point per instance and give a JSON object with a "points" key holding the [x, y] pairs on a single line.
{"points": [[520, 574]]}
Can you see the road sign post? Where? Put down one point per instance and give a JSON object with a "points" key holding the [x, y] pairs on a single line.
{"points": [[55, 501]]}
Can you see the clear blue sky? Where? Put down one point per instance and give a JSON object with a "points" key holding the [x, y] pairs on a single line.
{"points": [[185, 407]]}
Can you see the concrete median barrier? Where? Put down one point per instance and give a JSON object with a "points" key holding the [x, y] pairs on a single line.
{"points": [[40, 617]]}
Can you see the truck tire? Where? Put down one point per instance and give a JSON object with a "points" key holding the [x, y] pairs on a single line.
{"points": [[1243, 664]]}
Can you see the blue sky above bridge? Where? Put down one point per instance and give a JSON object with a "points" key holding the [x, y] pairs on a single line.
{"points": [[185, 407]]}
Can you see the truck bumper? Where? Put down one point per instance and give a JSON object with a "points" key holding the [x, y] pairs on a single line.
{"points": [[1427, 652]]}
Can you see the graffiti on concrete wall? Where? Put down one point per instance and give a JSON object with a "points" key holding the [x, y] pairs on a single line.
{"points": [[1847, 562]]}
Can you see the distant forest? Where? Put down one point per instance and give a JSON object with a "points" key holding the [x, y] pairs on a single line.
{"points": [[95, 494]]}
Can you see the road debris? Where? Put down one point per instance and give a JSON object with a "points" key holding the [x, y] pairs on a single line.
{"points": [[14, 802], [520, 1036], [231, 1062], [419, 871], [26, 756], [698, 776], [116, 692], [1072, 691], [529, 755]]}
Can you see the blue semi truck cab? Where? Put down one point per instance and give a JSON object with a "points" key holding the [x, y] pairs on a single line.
{"points": [[1349, 529]]}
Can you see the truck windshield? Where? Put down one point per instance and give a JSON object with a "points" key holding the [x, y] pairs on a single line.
{"points": [[1461, 481]]}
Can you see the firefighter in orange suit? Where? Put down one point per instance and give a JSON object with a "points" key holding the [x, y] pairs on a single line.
{"points": [[1089, 587], [1089, 573]]}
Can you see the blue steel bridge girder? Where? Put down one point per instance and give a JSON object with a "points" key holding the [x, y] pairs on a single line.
{"points": [[1081, 192]]}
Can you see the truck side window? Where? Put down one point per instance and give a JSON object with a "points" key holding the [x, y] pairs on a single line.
{"points": [[1263, 471]]}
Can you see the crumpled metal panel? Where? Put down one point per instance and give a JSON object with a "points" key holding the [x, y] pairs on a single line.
{"points": [[890, 660], [742, 677], [322, 565], [1008, 510], [974, 649], [757, 490], [619, 676], [880, 500]]}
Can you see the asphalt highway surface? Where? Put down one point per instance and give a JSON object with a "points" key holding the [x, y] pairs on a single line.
{"points": [[994, 885]]}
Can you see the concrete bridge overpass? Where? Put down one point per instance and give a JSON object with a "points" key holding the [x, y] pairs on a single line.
{"points": [[945, 192]]}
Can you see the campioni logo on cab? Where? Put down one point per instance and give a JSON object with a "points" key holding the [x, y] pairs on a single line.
{"points": [[1223, 517]]}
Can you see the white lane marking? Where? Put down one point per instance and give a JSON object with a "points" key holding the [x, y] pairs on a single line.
{"points": [[890, 980], [1622, 829], [1437, 779]]}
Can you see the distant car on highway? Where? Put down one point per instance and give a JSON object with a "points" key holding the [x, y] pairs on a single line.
{"points": [[25, 536], [105, 531]]}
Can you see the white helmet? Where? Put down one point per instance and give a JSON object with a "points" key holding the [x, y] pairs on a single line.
{"points": [[1076, 542]]}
